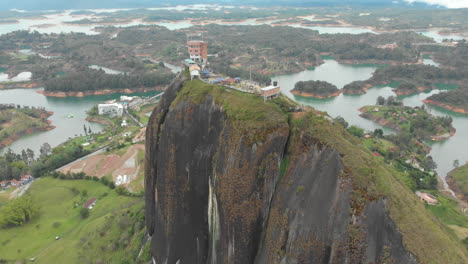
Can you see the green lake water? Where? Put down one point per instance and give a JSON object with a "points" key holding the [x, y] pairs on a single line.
{"points": [[444, 153], [62, 107]]}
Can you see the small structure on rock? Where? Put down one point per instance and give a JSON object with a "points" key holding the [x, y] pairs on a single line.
{"points": [[270, 92]]}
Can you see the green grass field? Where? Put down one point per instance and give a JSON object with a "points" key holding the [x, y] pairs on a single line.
{"points": [[448, 212], [460, 175], [145, 109], [107, 235], [14, 121], [5, 196]]}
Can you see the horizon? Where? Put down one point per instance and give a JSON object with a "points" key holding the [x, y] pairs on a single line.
{"points": [[55, 5]]}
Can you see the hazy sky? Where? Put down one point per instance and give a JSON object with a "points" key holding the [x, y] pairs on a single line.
{"points": [[446, 3]]}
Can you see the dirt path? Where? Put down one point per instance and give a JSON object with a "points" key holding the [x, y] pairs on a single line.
{"points": [[20, 191], [102, 164]]}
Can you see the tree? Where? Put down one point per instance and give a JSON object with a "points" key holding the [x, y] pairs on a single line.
{"points": [[378, 133], [342, 121], [17, 212], [391, 100], [24, 156], [429, 163], [45, 150], [89, 130], [380, 100], [85, 130], [30, 154], [456, 163], [356, 131], [84, 213]]}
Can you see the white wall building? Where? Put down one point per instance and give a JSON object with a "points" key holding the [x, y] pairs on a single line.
{"points": [[110, 109], [124, 98]]}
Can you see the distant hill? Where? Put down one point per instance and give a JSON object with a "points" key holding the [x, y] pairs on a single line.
{"points": [[92, 4]]}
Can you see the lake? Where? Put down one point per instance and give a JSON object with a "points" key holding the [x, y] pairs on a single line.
{"points": [[439, 37], [443, 153], [62, 107]]}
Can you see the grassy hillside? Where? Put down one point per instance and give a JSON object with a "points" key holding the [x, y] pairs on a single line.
{"points": [[460, 177], [16, 122], [426, 237], [111, 234]]}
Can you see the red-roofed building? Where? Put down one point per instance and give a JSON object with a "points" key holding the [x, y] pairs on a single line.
{"points": [[15, 183], [230, 81], [90, 203], [377, 154], [26, 178]]}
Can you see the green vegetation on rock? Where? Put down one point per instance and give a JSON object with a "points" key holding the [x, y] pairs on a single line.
{"points": [[378, 180], [458, 181]]}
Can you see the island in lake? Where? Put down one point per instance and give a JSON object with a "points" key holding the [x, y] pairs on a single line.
{"points": [[316, 89], [408, 88], [356, 87], [16, 122], [455, 100], [415, 121]]}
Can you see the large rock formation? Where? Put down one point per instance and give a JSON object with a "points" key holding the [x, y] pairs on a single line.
{"points": [[230, 179]]}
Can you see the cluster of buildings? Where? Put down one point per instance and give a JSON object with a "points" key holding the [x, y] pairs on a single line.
{"points": [[196, 64], [115, 108], [25, 179]]}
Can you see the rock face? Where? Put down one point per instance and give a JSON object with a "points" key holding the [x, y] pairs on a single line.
{"points": [[230, 186]]}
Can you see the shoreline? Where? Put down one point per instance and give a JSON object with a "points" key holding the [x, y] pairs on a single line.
{"points": [[11, 139], [361, 91], [335, 94], [99, 92], [420, 89], [98, 120], [379, 120], [19, 86], [446, 106], [394, 126]]}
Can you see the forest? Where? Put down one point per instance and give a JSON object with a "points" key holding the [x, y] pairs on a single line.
{"points": [[418, 74], [355, 87], [92, 80], [454, 57], [16, 121], [263, 49], [14, 165], [315, 87], [457, 98]]}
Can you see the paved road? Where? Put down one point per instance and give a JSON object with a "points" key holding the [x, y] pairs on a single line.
{"points": [[133, 118]]}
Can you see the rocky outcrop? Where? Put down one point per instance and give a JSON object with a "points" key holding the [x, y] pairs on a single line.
{"points": [[225, 184]]}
